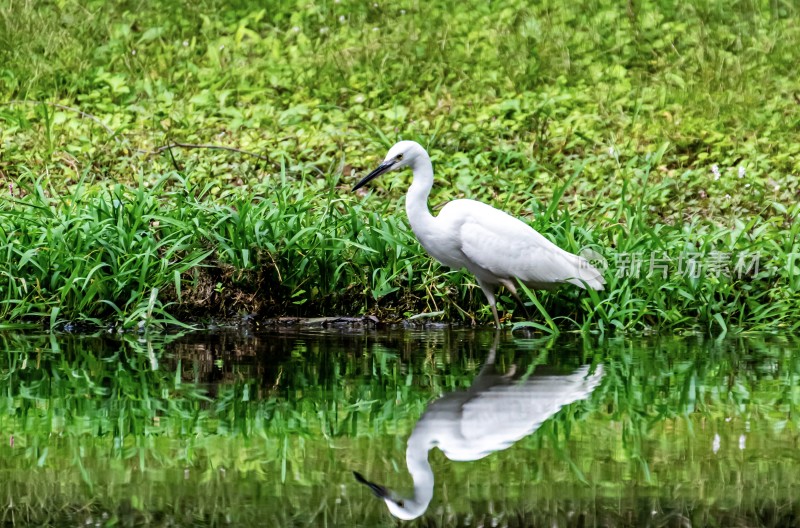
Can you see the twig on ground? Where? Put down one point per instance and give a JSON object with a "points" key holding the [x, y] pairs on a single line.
{"points": [[174, 144], [174, 162]]}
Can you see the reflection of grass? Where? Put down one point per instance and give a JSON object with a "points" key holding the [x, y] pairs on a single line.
{"points": [[249, 428], [596, 121]]}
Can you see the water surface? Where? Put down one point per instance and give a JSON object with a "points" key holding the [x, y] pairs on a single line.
{"points": [[266, 429]]}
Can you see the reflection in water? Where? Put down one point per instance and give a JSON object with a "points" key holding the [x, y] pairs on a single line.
{"points": [[490, 416], [263, 428]]}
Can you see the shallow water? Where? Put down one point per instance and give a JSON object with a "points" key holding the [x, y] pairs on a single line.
{"points": [[266, 429]]}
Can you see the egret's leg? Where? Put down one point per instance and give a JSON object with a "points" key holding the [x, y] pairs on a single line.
{"points": [[496, 317], [488, 291], [508, 376], [512, 289], [493, 350]]}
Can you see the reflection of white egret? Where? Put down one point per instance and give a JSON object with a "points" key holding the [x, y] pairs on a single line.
{"points": [[494, 246], [491, 415]]}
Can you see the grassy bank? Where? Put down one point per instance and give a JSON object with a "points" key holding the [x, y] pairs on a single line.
{"points": [[661, 136]]}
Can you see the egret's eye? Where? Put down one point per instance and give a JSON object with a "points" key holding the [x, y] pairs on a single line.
{"points": [[399, 157], [402, 504]]}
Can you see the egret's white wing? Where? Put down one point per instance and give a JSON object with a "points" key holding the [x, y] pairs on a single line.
{"points": [[508, 248], [503, 414]]}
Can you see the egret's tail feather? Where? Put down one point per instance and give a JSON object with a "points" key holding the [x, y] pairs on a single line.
{"points": [[586, 275]]}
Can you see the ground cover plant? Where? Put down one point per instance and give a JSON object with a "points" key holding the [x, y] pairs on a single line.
{"points": [[660, 135]]}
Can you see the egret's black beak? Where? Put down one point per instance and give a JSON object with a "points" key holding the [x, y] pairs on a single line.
{"points": [[384, 167], [377, 489]]}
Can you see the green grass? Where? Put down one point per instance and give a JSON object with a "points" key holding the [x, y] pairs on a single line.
{"points": [[597, 122]]}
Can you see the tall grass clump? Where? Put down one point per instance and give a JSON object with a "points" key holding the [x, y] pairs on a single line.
{"points": [[92, 256], [683, 271], [163, 249]]}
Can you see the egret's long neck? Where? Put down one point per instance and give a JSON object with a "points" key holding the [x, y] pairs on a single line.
{"points": [[417, 197], [420, 469]]}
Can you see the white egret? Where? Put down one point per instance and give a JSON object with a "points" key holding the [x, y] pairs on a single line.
{"points": [[492, 245], [494, 413]]}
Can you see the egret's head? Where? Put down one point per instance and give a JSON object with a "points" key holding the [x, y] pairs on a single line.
{"points": [[405, 509], [402, 154]]}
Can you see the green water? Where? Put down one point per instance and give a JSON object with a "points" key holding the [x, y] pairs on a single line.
{"points": [[265, 429]]}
